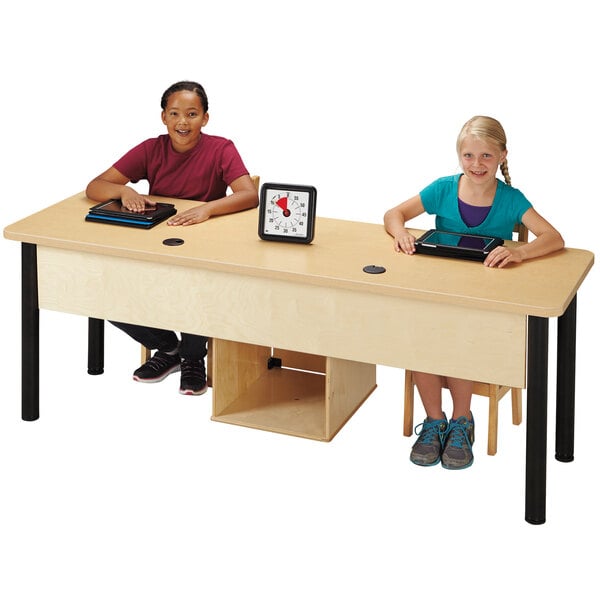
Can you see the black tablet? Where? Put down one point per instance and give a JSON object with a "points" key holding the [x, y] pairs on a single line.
{"points": [[456, 245], [114, 212]]}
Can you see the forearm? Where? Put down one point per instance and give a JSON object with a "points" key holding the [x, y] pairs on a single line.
{"points": [[546, 243], [394, 222], [235, 202], [101, 190], [395, 218]]}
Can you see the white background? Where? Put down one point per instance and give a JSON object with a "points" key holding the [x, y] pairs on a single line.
{"points": [[127, 491]]}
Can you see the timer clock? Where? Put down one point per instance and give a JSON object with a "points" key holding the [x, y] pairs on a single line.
{"points": [[287, 212]]}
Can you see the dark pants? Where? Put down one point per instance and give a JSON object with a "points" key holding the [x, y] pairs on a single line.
{"points": [[192, 347]]}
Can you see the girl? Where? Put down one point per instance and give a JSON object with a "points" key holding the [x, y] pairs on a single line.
{"points": [[184, 163], [476, 202]]}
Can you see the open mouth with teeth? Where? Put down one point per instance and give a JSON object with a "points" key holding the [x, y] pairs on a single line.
{"points": [[183, 132]]}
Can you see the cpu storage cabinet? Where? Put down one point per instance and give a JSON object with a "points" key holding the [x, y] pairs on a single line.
{"points": [[278, 390]]}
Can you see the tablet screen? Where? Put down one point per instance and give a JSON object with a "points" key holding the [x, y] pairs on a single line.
{"points": [[456, 240]]}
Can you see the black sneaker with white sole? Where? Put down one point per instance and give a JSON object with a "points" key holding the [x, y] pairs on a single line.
{"points": [[193, 377], [158, 367]]}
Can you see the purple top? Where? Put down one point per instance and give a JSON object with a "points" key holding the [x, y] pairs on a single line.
{"points": [[473, 215]]}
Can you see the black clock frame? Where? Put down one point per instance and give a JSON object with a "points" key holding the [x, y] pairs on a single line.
{"points": [[310, 212]]}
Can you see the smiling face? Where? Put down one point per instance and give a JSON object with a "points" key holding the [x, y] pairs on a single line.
{"points": [[480, 159], [184, 117]]}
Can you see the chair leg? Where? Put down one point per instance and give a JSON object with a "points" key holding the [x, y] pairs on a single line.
{"points": [[517, 405], [493, 425], [409, 403], [145, 354]]}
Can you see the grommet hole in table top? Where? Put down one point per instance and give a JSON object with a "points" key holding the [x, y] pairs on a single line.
{"points": [[374, 269], [173, 242]]}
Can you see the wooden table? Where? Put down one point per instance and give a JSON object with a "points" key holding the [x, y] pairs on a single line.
{"points": [[317, 307]]}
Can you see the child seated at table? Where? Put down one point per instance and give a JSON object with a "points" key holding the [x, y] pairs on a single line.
{"points": [[184, 163], [475, 202]]}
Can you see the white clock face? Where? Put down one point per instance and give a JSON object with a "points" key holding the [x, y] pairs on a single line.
{"points": [[286, 213]]}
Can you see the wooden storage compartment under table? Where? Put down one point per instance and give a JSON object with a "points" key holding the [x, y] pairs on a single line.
{"points": [[299, 394]]}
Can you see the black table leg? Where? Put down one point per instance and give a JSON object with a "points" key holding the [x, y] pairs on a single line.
{"points": [[537, 420], [565, 384], [30, 334], [95, 346]]}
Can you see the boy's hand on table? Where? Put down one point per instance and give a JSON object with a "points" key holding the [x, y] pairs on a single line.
{"points": [[192, 216]]}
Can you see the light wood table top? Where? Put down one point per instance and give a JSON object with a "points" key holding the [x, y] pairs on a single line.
{"points": [[540, 287]]}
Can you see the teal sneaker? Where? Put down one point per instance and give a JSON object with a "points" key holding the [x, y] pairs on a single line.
{"points": [[427, 449], [458, 449]]}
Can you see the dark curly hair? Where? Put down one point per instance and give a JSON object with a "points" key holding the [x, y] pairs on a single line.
{"points": [[190, 86]]}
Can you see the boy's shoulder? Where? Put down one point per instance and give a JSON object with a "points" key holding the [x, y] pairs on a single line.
{"points": [[215, 140], [153, 142]]}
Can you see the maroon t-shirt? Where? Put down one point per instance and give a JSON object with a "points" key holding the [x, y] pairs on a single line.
{"points": [[202, 173]]}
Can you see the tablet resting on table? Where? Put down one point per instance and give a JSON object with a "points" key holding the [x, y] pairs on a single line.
{"points": [[114, 212], [456, 245]]}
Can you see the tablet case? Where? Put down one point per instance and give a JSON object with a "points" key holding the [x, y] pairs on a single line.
{"points": [[114, 213], [456, 245]]}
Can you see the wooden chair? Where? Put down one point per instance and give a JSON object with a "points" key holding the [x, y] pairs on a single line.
{"points": [[493, 392], [146, 352]]}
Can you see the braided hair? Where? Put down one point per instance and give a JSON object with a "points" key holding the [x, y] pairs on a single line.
{"points": [[486, 128]]}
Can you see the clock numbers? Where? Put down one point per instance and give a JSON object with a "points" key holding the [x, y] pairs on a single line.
{"points": [[287, 212]]}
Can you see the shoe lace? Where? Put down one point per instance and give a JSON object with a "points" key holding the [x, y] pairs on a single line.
{"points": [[159, 361], [428, 430], [458, 434], [192, 368]]}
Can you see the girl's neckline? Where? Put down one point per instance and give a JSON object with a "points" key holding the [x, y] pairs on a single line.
{"points": [[485, 196]]}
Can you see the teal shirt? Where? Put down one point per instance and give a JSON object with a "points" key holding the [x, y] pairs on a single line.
{"points": [[440, 198]]}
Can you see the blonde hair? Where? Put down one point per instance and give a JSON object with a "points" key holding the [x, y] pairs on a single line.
{"points": [[486, 128]]}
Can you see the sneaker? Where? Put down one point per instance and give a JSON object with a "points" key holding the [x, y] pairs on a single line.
{"points": [[458, 453], [157, 368], [193, 377], [427, 449]]}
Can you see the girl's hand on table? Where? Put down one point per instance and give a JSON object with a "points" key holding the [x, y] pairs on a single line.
{"points": [[501, 256]]}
